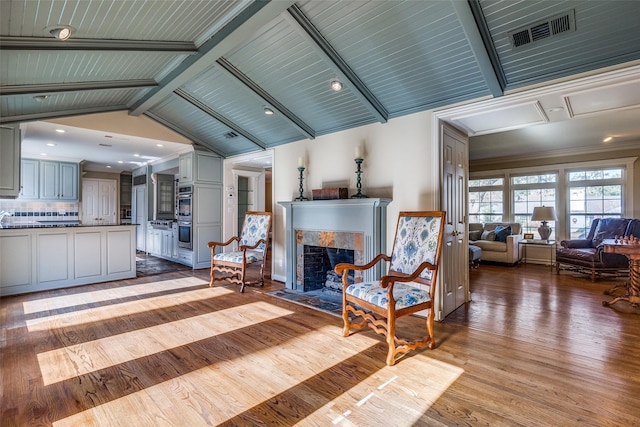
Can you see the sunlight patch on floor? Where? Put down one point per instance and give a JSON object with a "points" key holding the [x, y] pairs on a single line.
{"points": [[217, 393], [79, 317], [72, 361], [412, 386], [56, 303]]}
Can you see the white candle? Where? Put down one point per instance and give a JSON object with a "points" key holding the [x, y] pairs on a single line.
{"points": [[300, 162], [358, 152]]}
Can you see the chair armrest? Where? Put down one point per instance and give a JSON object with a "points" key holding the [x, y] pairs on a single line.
{"points": [[213, 245], [245, 247], [344, 267], [393, 277], [576, 243]]}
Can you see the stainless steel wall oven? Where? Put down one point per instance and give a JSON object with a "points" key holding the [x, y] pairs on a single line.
{"points": [[184, 215], [185, 203], [185, 235]]}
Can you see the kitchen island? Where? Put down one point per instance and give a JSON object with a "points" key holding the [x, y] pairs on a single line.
{"points": [[41, 258]]}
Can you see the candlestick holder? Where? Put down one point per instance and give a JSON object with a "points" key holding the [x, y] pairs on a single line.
{"points": [[359, 194], [301, 178]]}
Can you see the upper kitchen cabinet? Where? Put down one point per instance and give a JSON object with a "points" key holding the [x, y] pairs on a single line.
{"points": [[9, 161], [201, 167], [58, 180], [29, 181]]}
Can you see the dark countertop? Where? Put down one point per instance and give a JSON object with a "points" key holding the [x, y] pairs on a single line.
{"points": [[58, 224]]}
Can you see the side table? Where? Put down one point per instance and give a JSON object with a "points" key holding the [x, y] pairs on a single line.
{"points": [[549, 244], [632, 250]]}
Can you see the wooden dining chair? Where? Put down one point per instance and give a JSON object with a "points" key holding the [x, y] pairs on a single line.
{"points": [[249, 250], [407, 288]]}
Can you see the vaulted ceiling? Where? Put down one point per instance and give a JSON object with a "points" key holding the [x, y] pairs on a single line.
{"points": [[209, 69]]}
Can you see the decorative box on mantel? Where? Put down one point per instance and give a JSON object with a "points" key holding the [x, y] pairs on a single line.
{"points": [[357, 225], [330, 194]]}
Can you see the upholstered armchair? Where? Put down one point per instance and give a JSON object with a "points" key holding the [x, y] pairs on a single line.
{"points": [[250, 252], [587, 255], [407, 288]]}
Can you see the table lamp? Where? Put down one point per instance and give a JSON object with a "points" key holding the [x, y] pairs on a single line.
{"points": [[544, 214]]}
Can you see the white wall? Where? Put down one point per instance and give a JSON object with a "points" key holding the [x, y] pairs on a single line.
{"points": [[402, 163]]}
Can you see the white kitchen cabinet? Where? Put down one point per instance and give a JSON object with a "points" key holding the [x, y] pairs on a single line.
{"points": [[88, 248], [29, 182], [139, 215], [9, 161], [99, 200], [185, 167], [16, 267], [200, 167], [58, 180], [36, 259], [167, 244], [207, 219], [54, 257]]}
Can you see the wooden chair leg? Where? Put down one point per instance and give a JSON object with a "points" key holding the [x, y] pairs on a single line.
{"points": [[345, 319], [432, 339], [212, 275], [242, 277], [391, 343]]}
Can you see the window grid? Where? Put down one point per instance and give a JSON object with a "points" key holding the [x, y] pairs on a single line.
{"points": [[486, 200], [531, 191], [594, 193]]}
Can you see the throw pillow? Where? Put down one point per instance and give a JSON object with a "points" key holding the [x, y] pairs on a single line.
{"points": [[475, 235], [488, 235], [502, 232]]}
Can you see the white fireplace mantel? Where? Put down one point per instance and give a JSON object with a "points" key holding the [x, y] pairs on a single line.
{"points": [[367, 216]]}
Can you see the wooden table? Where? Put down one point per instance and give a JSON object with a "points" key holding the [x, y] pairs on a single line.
{"points": [[632, 251]]}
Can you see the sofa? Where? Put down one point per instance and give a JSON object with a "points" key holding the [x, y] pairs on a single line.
{"points": [[498, 241], [587, 255]]}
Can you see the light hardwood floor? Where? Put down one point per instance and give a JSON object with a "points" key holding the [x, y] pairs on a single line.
{"points": [[532, 349]]}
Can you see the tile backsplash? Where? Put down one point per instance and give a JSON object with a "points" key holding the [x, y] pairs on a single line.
{"points": [[26, 212]]}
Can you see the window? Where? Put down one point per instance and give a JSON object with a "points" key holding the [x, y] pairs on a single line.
{"points": [[580, 192], [593, 193], [486, 200], [530, 191]]}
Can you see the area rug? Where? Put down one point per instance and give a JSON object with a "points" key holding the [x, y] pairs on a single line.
{"points": [[327, 300]]}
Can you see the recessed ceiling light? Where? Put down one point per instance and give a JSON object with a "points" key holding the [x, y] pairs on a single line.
{"points": [[43, 154], [336, 85], [120, 161], [268, 111], [108, 166], [608, 139], [159, 145], [61, 32], [136, 155], [51, 144], [60, 130]]}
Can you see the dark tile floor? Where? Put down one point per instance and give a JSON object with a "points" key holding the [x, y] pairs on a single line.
{"points": [[147, 265]]}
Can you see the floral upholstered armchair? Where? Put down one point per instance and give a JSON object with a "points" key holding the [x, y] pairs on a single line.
{"points": [[251, 251], [408, 287]]}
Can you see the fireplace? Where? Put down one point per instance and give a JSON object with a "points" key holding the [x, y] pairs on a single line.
{"points": [[318, 268], [320, 233]]}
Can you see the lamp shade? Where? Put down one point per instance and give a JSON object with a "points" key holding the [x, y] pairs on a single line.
{"points": [[544, 213]]}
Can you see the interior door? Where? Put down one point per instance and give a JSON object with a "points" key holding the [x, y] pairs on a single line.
{"points": [[108, 197], [455, 252]]}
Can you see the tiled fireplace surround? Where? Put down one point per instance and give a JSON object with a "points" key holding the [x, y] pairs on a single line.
{"points": [[356, 227]]}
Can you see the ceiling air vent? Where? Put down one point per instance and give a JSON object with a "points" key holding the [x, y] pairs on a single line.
{"points": [[230, 135], [541, 30]]}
